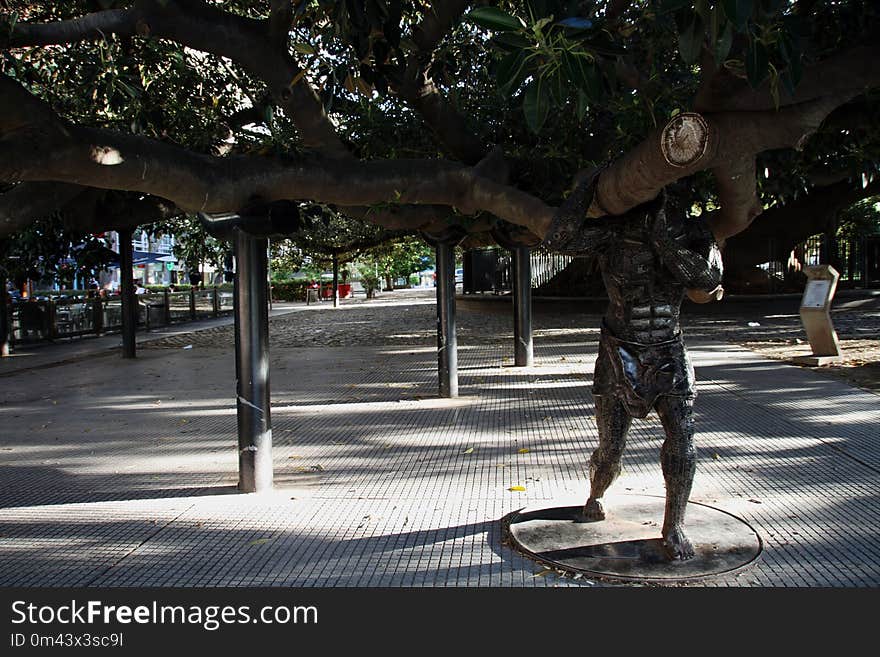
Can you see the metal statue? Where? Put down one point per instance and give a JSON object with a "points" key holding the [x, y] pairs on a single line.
{"points": [[649, 261]]}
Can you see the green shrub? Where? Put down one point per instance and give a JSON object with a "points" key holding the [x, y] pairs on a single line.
{"points": [[289, 290]]}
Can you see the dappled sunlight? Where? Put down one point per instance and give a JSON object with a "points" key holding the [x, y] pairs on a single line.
{"points": [[566, 332], [217, 405], [534, 385], [348, 407]]}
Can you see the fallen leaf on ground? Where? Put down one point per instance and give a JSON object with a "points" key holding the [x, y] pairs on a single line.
{"points": [[469, 450], [517, 488], [524, 450], [259, 541]]}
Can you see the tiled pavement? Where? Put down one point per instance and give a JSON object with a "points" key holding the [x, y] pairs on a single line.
{"points": [[122, 473]]}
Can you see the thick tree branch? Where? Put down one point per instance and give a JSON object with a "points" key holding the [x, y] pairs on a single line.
{"points": [[781, 228], [90, 26], [847, 73], [204, 27], [27, 202], [85, 209], [437, 22], [421, 93], [725, 142], [448, 125], [195, 182], [280, 21], [411, 217], [615, 9]]}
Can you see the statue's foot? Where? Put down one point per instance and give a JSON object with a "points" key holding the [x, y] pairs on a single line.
{"points": [[594, 510], [677, 545]]}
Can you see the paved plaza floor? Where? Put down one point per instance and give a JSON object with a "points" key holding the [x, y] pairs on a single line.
{"points": [[122, 472]]}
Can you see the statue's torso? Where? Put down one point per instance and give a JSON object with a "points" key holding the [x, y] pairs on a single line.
{"points": [[644, 299]]}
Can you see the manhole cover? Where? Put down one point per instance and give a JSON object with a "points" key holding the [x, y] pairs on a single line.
{"points": [[626, 545]]}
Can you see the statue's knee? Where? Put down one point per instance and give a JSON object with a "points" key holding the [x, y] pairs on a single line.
{"points": [[607, 454]]}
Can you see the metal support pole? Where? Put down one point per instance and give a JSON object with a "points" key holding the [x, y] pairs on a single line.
{"points": [[252, 363], [268, 272], [5, 319], [129, 301], [447, 345], [522, 307], [335, 280]]}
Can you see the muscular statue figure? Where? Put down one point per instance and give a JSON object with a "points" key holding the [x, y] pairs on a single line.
{"points": [[649, 261]]}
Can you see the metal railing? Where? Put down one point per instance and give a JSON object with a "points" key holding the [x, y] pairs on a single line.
{"points": [[69, 317], [546, 265], [856, 259]]}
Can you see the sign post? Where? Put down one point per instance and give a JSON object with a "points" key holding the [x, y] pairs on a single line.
{"points": [[816, 315]]}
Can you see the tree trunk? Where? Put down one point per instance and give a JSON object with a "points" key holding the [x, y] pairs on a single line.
{"points": [[780, 229]]}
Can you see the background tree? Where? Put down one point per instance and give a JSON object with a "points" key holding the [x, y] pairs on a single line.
{"points": [[400, 258], [193, 246], [47, 250]]}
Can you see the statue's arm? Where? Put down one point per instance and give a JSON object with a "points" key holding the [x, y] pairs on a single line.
{"points": [[572, 232], [689, 251]]}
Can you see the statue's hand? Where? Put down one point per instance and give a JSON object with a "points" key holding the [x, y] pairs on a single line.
{"points": [[702, 296]]}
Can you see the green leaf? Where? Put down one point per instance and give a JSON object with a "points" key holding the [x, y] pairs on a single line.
{"points": [[796, 70], [304, 48], [582, 74], [494, 19], [538, 27], [722, 46], [668, 6], [536, 105], [756, 63], [738, 11], [132, 92], [511, 41], [690, 39], [788, 82], [583, 104], [559, 90], [603, 45], [509, 73]]}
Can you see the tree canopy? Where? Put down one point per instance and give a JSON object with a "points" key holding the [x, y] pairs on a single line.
{"points": [[418, 115]]}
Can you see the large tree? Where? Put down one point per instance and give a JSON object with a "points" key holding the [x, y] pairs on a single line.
{"points": [[415, 115]]}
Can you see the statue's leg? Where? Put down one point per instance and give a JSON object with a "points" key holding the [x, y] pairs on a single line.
{"points": [[678, 458], [613, 421]]}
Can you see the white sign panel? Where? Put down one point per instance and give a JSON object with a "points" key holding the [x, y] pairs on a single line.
{"points": [[816, 294]]}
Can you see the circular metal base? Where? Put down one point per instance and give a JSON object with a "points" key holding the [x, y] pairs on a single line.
{"points": [[627, 546]]}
